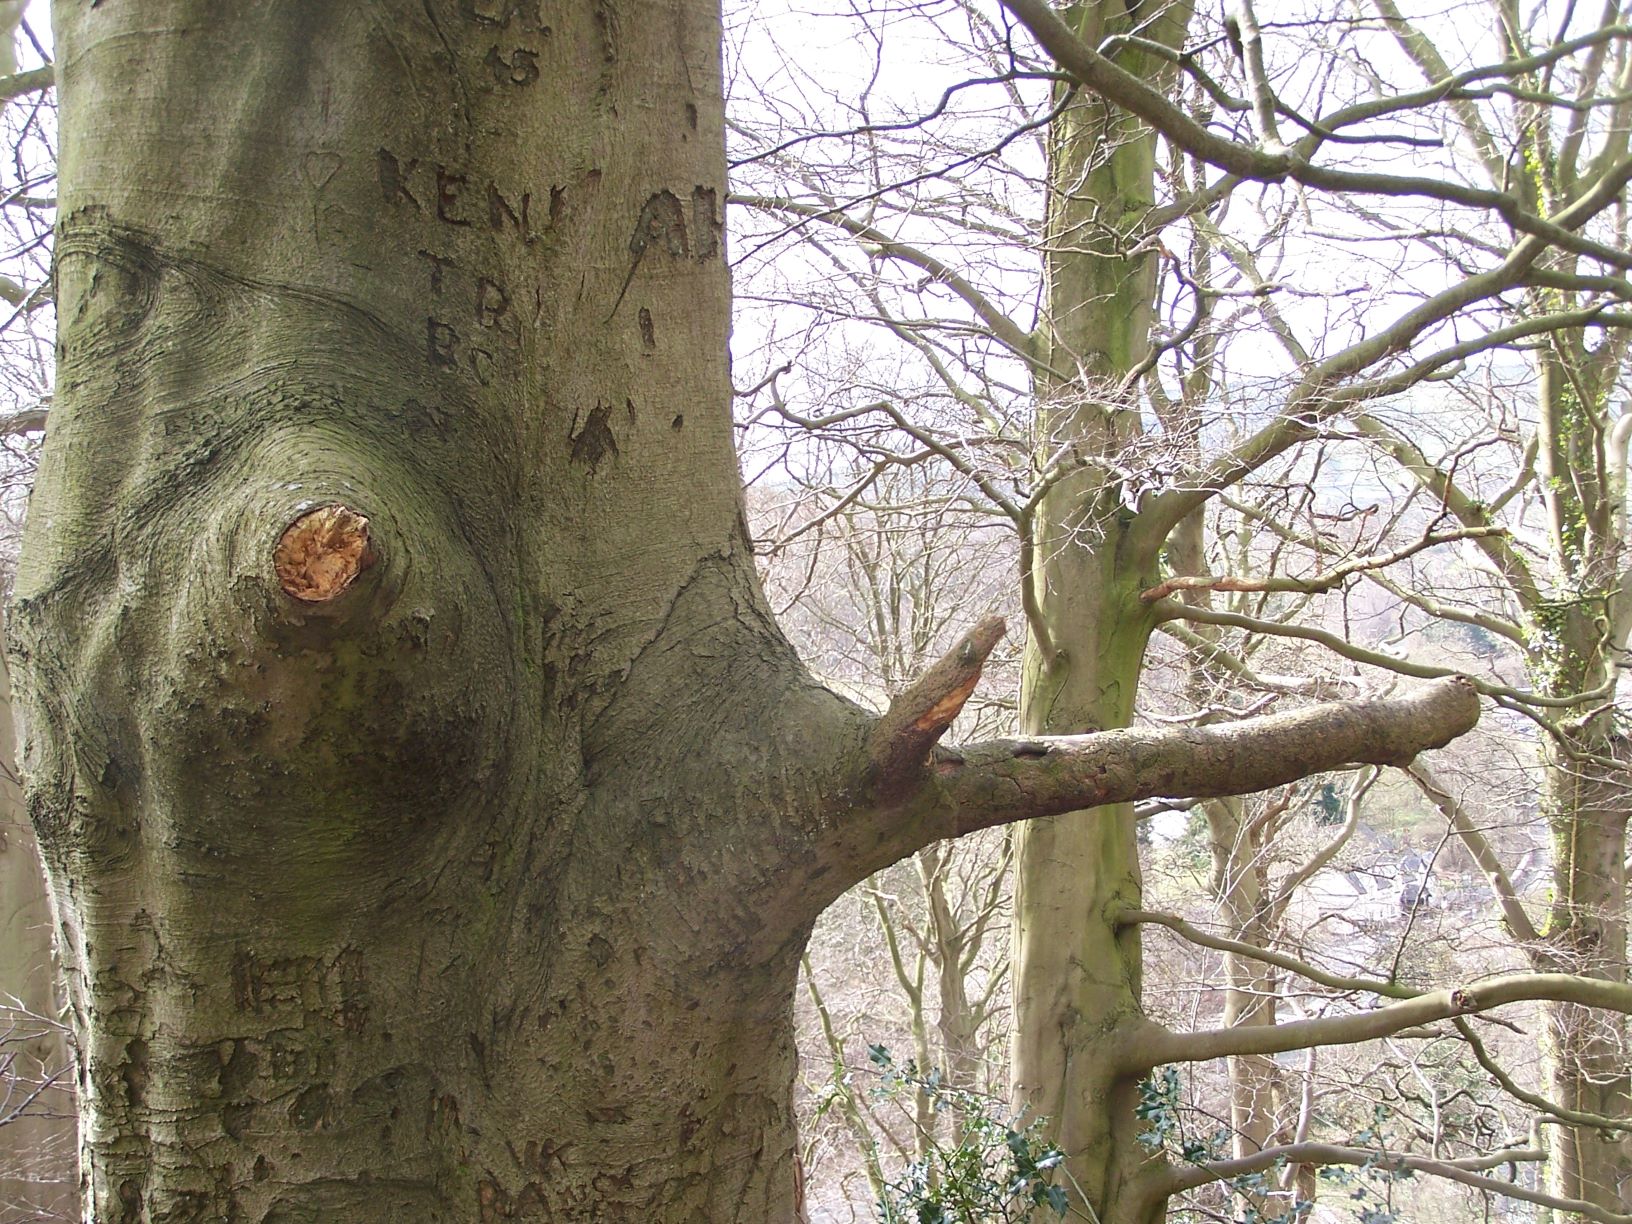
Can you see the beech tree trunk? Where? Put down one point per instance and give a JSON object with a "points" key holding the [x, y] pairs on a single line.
{"points": [[434, 814], [1077, 969], [1585, 803], [1584, 792], [360, 901]]}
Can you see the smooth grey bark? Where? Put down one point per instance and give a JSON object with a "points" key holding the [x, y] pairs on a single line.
{"points": [[448, 855]]}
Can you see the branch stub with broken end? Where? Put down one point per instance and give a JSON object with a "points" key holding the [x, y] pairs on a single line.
{"points": [[322, 553]]}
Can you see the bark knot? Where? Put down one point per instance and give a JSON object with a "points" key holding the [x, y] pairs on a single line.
{"points": [[322, 553]]}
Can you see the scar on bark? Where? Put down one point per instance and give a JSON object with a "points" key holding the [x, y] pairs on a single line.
{"points": [[322, 553], [901, 741]]}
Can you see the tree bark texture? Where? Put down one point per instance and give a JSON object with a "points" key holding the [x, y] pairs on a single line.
{"points": [[433, 812], [360, 897], [1585, 793], [1585, 802]]}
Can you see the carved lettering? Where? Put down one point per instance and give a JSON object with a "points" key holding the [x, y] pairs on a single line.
{"points": [[499, 211], [546, 1157], [498, 14], [303, 988], [441, 343], [520, 69], [492, 302], [662, 223], [443, 1116], [595, 441], [438, 264], [494, 1202], [285, 1061], [447, 349], [447, 195], [394, 176], [706, 227], [458, 199]]}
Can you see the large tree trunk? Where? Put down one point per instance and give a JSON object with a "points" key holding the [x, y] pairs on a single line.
{"points": [[1585, 793], [1076, 970], [358, 892]]}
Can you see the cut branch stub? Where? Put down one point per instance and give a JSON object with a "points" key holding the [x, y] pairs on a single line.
{"points": [[322, 553], [901, 740]]}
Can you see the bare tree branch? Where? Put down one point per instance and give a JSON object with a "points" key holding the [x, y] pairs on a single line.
{"points": [[1470, 513], [1004, 328], [1310, 586], [1505, 1082], [1237, 947], [1148, 1044], [21, 83], [1507, 897], [1114, 84], [1172, 609], [1192, 1176]]}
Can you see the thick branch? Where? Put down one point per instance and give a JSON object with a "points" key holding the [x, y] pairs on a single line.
{"points": [[1003, 781], [899, 746], [28, 420]]}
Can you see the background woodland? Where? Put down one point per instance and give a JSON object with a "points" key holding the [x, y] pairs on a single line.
{"points": [[1370, 418]]}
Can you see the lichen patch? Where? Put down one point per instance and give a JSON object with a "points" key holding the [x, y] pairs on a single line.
{"points": [[322, 553]]}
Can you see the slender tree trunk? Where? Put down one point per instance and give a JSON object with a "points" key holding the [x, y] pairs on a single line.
{"points": [[1249, 998], [1076, 969], [957, 1022], [1239, 883], [1585, 794], [1586, 807]]}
